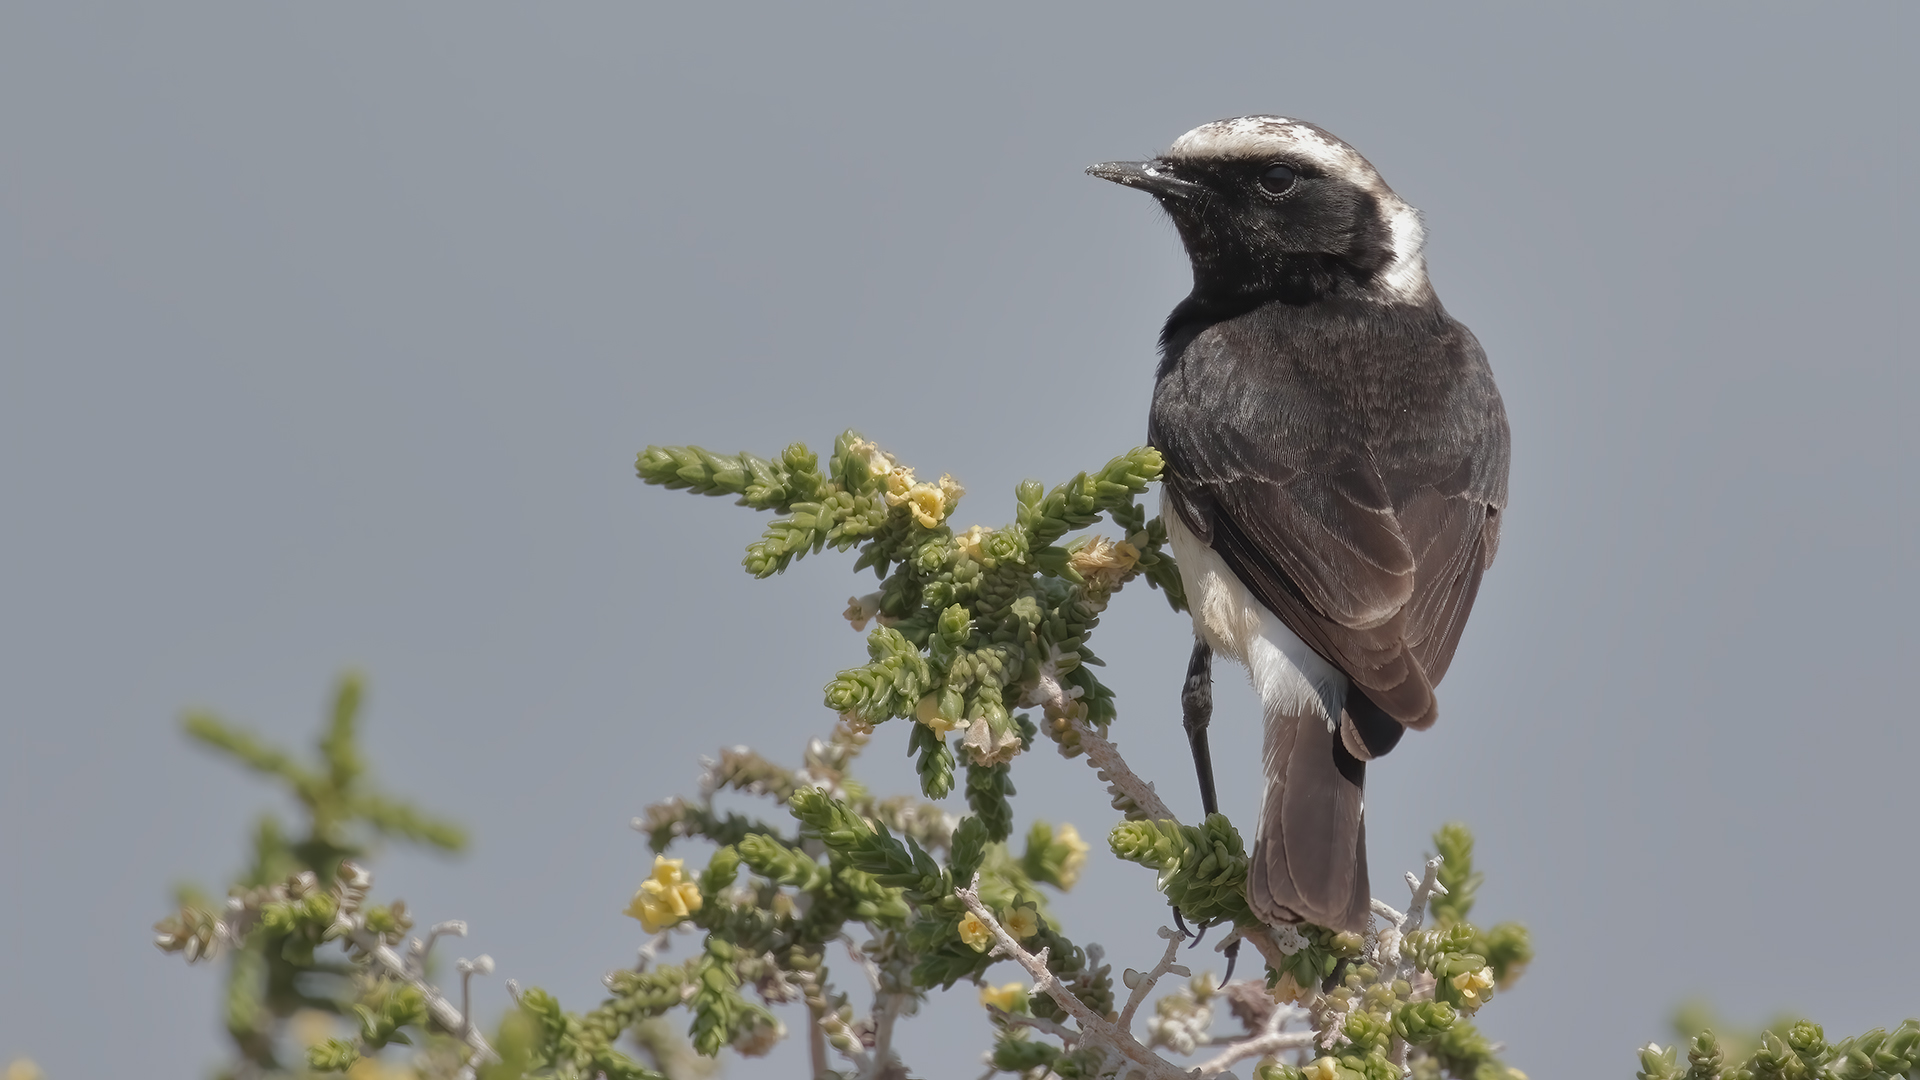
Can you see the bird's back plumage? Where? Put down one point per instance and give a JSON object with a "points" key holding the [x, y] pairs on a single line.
{"points": [[1349, 466], [1348, 471]]}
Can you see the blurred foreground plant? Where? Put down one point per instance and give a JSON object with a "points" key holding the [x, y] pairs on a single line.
{"points": [[974, 626]]}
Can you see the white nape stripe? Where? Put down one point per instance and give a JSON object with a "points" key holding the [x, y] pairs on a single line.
{"points": [[1405, 277], [1291, 679]]}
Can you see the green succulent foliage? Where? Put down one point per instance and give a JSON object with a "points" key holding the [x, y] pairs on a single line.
{"points": [[1203, 868], [1014, 1052], [1507, 946], [1053, 856], [988, 789], [291, 886], [341, 806], [1463, 1053], [553, 1042], [720, 1014], [968, 623], [1801, 1053], [972, 624], [1445, 954], [1317, 960]]}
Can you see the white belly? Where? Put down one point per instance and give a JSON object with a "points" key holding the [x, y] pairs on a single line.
{"points": [[1291, 679]]}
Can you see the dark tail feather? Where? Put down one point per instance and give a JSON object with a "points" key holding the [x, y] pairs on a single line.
{"points": [[1309, 861]]}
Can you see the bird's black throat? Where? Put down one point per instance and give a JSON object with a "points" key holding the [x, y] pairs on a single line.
{"points": [[1231, 279]]}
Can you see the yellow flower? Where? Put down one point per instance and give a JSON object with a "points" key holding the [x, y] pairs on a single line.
{"points": [[1009, 998], [1023, 923], [950, 490], [759, 1038], [1286, 991], [969, 542], [899, 482], [664, 899], [24, 1069], [876, 460], [1473, 987], [927, 712], [1104, 563], [983, 747], [975, 933], [1324, 1068], [928, 505], [860, 609], [1076, 858]]}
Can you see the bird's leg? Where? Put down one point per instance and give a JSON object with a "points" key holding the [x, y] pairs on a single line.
{"points": [[1196, 710]]}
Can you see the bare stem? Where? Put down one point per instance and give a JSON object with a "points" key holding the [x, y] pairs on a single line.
{"points": [[1144, 985], [1270, 1041], [443, 1011], [1121, 780], [1093, 1026], [1427, 887], [817, 1044]]}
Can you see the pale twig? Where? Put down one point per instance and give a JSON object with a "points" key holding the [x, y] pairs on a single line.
{"points": [[886, 1009], [482, 965], [443, 1011], [1141, 985], [1387, 947], [817, 1046], [1121, 780], [1093, 1026], [1423, 889], [651, 950], [418, 950], [1385, 911], [1270, 1041], [828, 1029]]}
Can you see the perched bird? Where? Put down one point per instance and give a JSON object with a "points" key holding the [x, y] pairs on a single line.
{"points": [[1336, 468]]}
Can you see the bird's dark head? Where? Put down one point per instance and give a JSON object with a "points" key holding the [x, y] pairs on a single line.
{"points": [[1274, 208]]}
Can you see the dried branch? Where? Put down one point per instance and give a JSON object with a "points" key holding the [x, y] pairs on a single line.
{"points": [[1427, 887], [443, 1011], [1142, 985], [1093, 1027], [1271, 1040], [1121, 780]]}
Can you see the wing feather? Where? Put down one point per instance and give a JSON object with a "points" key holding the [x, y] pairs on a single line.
{"points": [[1364, 522]]}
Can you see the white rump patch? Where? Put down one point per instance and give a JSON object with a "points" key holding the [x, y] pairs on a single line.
{"points": [[1291, 679]]}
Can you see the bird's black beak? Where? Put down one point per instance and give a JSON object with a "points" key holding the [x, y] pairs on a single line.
{"points": [[1153, 176]]}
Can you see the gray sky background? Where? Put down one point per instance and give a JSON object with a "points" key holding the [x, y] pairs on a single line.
{"points": [[328, 335]]}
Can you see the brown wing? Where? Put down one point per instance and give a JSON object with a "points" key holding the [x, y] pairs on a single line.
{"points": [[1356, 501]]}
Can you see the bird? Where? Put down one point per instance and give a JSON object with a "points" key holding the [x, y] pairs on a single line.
{"points": [[1335, 474]]}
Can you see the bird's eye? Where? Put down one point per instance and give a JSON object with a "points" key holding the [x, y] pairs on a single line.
{"points": [[1277, 180]]}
